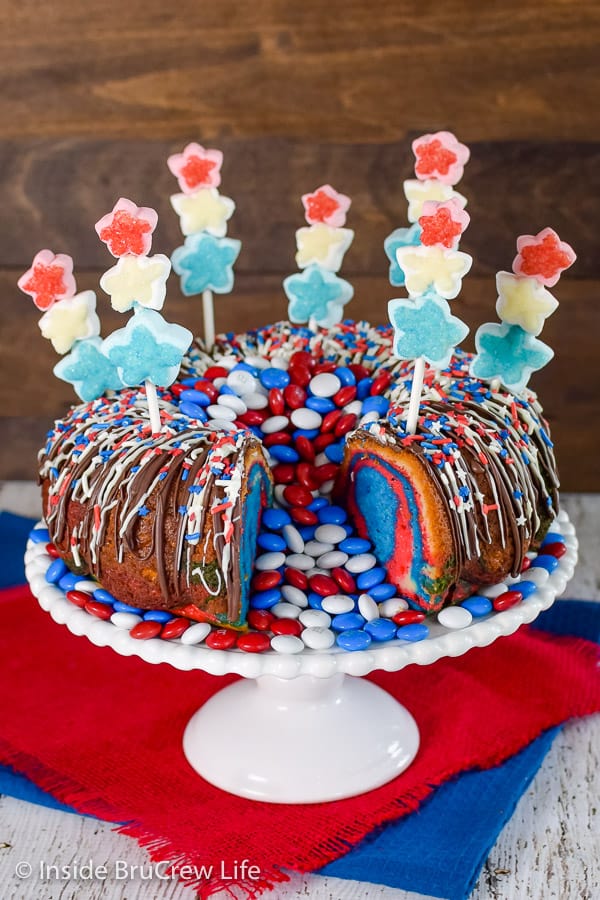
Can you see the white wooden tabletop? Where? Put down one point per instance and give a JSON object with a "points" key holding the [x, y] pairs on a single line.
{"points": [[549, 849]]}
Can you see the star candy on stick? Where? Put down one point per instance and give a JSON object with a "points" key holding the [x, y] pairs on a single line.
{"points": [[317, 294], [419, 192], [433, 267], [204, 210], [205, 263], [442, 223], [137, 279], [71, 320], [425, 328], [323, 245], [128, 228], [196, 168], [440, 156], [49, 279], [327, 206], [509, 354], [401, 237], [523, 301], [147, 349], [89, 371], [543, 256]]}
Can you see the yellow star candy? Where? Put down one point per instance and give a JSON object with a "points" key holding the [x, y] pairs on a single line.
{"points": [[71, 320], [417, 192], [323, 245], [204, 210], [137, 279], [523, 301], [433, 267]]}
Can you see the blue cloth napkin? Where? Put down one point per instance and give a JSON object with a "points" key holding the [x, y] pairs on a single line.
{"points": [[440, 849]]}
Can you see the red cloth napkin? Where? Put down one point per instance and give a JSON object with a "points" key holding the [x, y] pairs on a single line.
{"points": [[103, 734]]}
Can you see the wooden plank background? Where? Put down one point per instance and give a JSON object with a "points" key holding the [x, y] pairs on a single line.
{"points": [[94, 96]]}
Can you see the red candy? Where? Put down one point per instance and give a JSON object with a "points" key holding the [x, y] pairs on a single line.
{"points": [[296, 578], [300, 375], [303, 516], [100, 610], [221, 639], [526, 564], [287, 626], [307, 476], [344, 579], [506, 600], [79, 598], [143, 631], [208, 388], [260, 619], [556, 549], [174, 628], [380, 384], [330, 420], [276, 401], [284, 473], [254, 417], [408, 617], [277, 437], [324, 367], [345, 424], [296, 495], [359, 371], [253, 642], [326, 472], [302, 358], [294, 396], [305, 448], [323, 585], [264, 581], [216, 372], [52, 551], [322, 441], [440, 228], [344, 395]]}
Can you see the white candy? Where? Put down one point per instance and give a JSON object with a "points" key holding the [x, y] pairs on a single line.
{"points": [[220, 424], [327, 487], [332, 560], [306, 418], [389, 608], [278, 362], [228, 362], [287, 643], [338, 604], [285, 610], [536, 574], [325, 385], [318, 638], [330, 534], [315, 618], [195, 634], [492, 591], [294, 595], [255, 400], [86, 585], [300, 561], [274, 423], [371, 416], [454, 617], [125, 620], [269, 561], [367, 607], [219, 382], [293, 538], [241, 382], [362, 562], [321, 459], [354, 408], [232, 402], [278, 492], [317, 548], [316, 571], [257, 362]]}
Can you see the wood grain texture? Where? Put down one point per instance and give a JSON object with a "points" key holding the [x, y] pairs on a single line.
{"points": [[344, 70]]}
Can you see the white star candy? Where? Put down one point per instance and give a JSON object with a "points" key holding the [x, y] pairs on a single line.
{"points": [[322, 245], [137, 279], [523, 301], [204, 210], [71, 320], [417, 192], [435, 267]]}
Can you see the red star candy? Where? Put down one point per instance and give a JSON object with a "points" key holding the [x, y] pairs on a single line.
{"points": [[433, 159], [49, 279], [196, 172], [543, 256], [440, 156], [442, 223], [128, 228], [326, 206], [196, 168]]}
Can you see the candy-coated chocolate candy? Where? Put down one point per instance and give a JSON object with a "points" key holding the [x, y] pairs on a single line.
{"points": [[307, 476], [274, 423], [285, 610], [338, 604], [269, 561], [381, 629], [334, 515], [413, 633], [369, 609], [269, 541], [68, 581], [277, 438], [284, 473], [545, 561], [317, 548], [287, 643], [408, 617], [294, 396], [477, 605], [369, 579], [333, 560], [220, 638], [334, 452], [266, 580], [318, 637], [193, 411], [323, 585], [104, 596], [382, 592], [199, 398], [232, 401], [274, 378], [293, 539], [314, 618], [526, 588], [265, 599], [296, 495], [354, 639], [55, 571], [455, 617], [355, 545], [175, 628], [325, 385], [243, 383], [305, 449], [39, 536], [119, 606], [125, 620], [325, 472], [556, 549], [294, 595], [79, 598], [506, 600], [52, 551], [345, 424], [253, 642], [345, 395], [347, 621], [275, 519], [330, 420], [389, 608], [143, 631], [344, 579], [254, 417], [276, 401], [100, 610], [286, 626], [362, 562], [300, 375], [322, 405], [284, 454], [306, 418], [330, 533], [260, 619], [322, 442], [197, 632]]}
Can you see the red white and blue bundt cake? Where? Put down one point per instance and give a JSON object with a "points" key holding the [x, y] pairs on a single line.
{"points": [[274, 443]]}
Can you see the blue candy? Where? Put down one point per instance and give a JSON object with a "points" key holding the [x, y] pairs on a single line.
{"points": [[317, 504], [283, 453], [382, 592], [363, 388], [68, 581], [309, 433], [345, 375], [553, 537], [525, 588], [270, 541], [372, 577], [321, 405], [103, 596], [265, 599], [377, 404], [353, 545], [381, 629], [332, 515], [194, 396], [205, 263], [315, 601], [246, 367], [477, 605], [158, 615], [39, 536], [347, 621], [307, 532], [274, 378], [549, 563], [275, 519], [413, 633], [193, 411], [353, 639], [335, 452], [55, 571], [119, 606]]}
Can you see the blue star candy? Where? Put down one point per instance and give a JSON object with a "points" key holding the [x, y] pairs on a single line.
{"points": [[148, 348], [317, 293], [425, 327], [88, 370], [401, 237], [509, 353], [205, 263]]}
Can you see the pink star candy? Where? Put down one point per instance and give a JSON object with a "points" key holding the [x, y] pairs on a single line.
{"points": [[440, 156], [128, 228], [543, 256], [326, 206], [442, 223], [196, 168], [49, 279]]}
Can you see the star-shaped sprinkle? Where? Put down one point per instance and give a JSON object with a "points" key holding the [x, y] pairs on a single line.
{"points": [[148, 348], [508, 353], [440, 156], [327, 206], [49, 279], [88, 370], [204, 210], [317, 294], [71, 320], [401, 237], [205, 263], [418, 192], [137, 279], [196, 168], [425, 328], [433, 267], [442, 223], [322, 245], [128, 228], [523, 301], [543, 256]]}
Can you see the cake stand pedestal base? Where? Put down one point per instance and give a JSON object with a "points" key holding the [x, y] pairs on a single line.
{"points": [[300, 740]]}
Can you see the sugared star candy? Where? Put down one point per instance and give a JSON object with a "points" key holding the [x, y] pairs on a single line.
{"points": [[204, 210], [543, 256], [317, 294], [433, 267], [323, 245], [425, 328], [205, 263], [418, 192], [147, 348], [196, 168], [49, 279], [508, 353], [89, 371], [400, 237], [71, 320], [326, 206], [440, 156], [442, 223], [137, 279], [128, 228], [523, 301]]}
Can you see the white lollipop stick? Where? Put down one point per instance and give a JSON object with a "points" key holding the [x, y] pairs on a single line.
{"points": [[415, 395], [208, 314], [153, 410], [312, 324]]}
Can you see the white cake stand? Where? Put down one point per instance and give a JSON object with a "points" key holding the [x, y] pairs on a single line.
{"points": [[302, 728]]}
